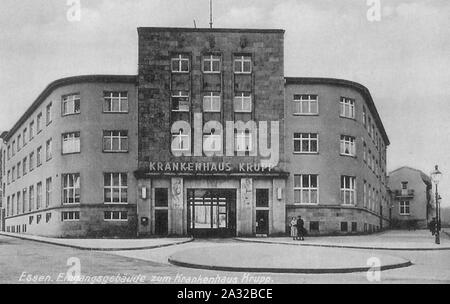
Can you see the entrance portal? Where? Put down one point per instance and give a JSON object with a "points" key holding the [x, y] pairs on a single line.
{"points": [[211, 212]]}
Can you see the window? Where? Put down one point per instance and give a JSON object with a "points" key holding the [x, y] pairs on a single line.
{"points": [[161, 197], [48, 150], [13, 148], [19, 142], [24, 200], [24, 166], [71, 188], [8, 179], [38, 195], [262, 198], [115, 141], [31, 198], [19, 170], [211, 64], [314, 226], [31, 130], [115, 102], [364, 117], [242, 64], [70, 216], [306, 189], [180, 101], [364, 150], [347, 107], [404, 208], [38, 156], [348, 145], [115, 188], [180, 64], [9, 152], [24, 137], [211, 102], [48, 216], [305, 104], [404, 185], [13, 174], [71, 143], [116, 216], [71, 104], [243, 102], [243, 141], [19, 203], [48, 192], [369, 126], [48, 117], [39, 123], [212, 141], [354, 226], [181, 141], [306, 143], [38, 218], [344, 226], [13, 199], [365, 194], [348, 186]]}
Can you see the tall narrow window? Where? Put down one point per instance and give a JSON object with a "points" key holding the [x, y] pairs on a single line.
{"points": [[48, 112], [348, 145], [365, 195], [306, 143], [115, 188], [39, 156], [348, 186], [181, 141], [243, 64], [24, 166], [211, 64], [211, 102], [19, 203], [364, 117], [24, 137], [31, 130], [243, 141], [48, 192], [24, 200], [180, 64], [31, 199], [19, 142], [39, 123], [243, 102], [19, 170], [115, 141], [71, 188], [38, 195], [347, 107], [305, 104], [115, 102], [306, 189], [71, 104], [48, 150], [71, 143], [180, 101]]}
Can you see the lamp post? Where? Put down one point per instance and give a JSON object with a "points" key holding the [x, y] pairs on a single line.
{"points": [[436, 177]]}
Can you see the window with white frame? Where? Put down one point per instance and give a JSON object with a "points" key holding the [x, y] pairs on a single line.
{"points": [[211, 64], [48, 112], [115, 141], [39, 156], [243, 141], [180, 64], [305, 104], [70, 216], [31, 198], [19, 142], [306, 189], [211, 102], [31, 162], [306, 143], [348, 190], [38, 195], [242, 64], [71, 143], [348, 146], [115, 188], [48, 192], [24, 166], [19, 170], [115, 102], [116, 216], [13, 174], [39, 123], [243, 102], [71, 104], [24, 200], [181, 141], [404, 208], [71, 188], [347, 107], [48, 150], [180, 101], [31, 127]]}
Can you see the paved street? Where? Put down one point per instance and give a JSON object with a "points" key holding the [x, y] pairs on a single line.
{"points": [[19, 256]]}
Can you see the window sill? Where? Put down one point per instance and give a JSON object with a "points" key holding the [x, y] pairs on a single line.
{"points": [[305, 114], [115, 152], [350, 118], [348, 155], [121, 204], [306, 153], [70, 153], [115, 112], [70, 114]]}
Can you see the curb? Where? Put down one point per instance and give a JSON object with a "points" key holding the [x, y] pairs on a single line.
{"points": [[287, 270], [94, 248], [344, 246]]}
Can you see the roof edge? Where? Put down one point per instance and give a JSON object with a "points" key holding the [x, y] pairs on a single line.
{"points": [[64, 82], [343, 82], [217, 30]]}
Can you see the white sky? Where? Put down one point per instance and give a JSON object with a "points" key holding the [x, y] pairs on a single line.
{"points": [[404, 59]]}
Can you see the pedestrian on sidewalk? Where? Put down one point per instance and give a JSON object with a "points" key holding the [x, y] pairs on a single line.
{"points": [[293, 226], [300, 229]]}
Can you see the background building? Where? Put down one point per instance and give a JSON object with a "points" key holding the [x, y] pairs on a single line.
{"points": [[411, 194], [70, 158], [336, 154], [2, 182]]}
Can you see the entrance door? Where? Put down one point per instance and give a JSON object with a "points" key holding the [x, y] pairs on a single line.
{"points": [[161, 222], [262, 222], [212, 212]]}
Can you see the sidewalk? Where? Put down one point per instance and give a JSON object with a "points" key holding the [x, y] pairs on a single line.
{"points": [[419, 240], [103, 244]]}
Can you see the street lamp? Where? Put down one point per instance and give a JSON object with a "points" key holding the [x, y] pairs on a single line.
{"points": [[436, 178]]}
